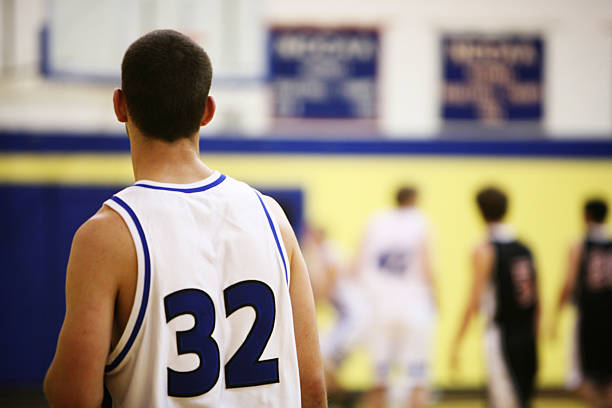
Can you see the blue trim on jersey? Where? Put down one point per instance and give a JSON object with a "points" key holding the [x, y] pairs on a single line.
{"points": [[145, 291], [185, 190], [278, 245]]}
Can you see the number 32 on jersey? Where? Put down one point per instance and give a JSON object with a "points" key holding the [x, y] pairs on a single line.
{"points": [[244, 368]]}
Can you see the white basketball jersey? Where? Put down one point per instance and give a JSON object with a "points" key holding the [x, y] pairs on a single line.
{"points": [[392, 258], [211, 324]]}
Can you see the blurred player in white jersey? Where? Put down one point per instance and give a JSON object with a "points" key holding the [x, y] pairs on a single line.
{"points": [[394, 263], [323, 260], [334, 285], [193, 280]]}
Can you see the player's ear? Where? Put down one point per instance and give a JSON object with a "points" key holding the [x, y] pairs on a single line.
{"points": [[120, 106], [209, 111]]}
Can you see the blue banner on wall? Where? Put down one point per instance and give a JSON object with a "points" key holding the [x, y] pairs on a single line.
{"points": [[492, 80], [324, 73]]}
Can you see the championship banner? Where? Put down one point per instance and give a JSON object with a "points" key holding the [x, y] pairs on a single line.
{"points": [[324, 73], [492, 80]]}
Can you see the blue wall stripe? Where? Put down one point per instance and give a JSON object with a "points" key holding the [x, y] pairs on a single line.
{"points": [[24, 142], [278, 245], [218, 181], [145, 291]]}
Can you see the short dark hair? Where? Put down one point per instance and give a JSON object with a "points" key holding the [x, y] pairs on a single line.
{"points": [[493, 203], [405, 195], [596, 210], [166, 77]]}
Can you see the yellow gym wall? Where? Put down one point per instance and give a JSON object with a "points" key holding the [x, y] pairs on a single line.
{"points": [[341, 191]]}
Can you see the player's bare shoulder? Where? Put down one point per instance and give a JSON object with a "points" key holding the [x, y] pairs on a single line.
{"points": [[106, 231], [103, 241], [575, 248], [483, 257]]}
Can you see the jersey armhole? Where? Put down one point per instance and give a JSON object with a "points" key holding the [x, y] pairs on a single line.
{"points": [[141, 295], [278, 238]]}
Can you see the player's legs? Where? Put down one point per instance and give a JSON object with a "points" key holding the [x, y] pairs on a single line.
{"points": [[575, 381], [574, 378], [415, 357], [606, 377], [607, 394], [376, 397], [596, 393], [596, 362], [520, 355], [606, 380], [501, 392], [418, 397], [352, 318], [348, 330], [589, 393], [381, 347]]}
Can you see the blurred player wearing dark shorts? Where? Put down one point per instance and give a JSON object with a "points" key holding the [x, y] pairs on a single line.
{"points": [[589, 284], [504, 287]]}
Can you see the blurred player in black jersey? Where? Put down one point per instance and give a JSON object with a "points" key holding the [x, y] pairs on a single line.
{"points": [[505, 285], [589, 285]]}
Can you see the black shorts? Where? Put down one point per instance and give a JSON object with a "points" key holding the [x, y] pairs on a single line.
{"points": [[595, 348], [519, 349]]}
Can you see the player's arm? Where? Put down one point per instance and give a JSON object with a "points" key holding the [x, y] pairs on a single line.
{"points": [[332, 275], [333, 271], [312, 380], [482, 260], [428, 270], [101, 248], [569, 284]]}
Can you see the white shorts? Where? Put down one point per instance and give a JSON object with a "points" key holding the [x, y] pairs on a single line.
{"points": [[402, 343]]}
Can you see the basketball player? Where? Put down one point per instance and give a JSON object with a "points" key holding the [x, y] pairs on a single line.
{"points": [[395, 267], [193, 280], [322, 260], [589, 284], [505, 284], [332, 284]]}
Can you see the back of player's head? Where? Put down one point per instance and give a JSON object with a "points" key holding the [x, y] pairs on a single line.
{"points": [[165, 77], [493, 204], [596, 210], [406, 195]]}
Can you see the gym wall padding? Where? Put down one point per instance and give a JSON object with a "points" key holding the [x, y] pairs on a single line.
{"points": [[48, 187]]}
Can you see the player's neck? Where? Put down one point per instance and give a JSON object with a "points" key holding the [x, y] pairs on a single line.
{"points": [[167, 162], [596, 227], [500, 231], [495, 225]]}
